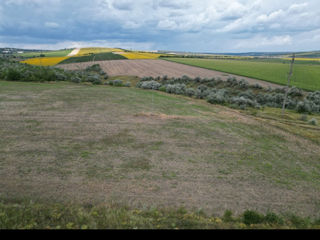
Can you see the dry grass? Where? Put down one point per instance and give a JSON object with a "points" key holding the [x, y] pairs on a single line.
{"points": [[92, 144]]}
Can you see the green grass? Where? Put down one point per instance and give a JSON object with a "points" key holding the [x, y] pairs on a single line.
{"points": [[58, 53], [30, 215], [95, 57], [304, 76]]}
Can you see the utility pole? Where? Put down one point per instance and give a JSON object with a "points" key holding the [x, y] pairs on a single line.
{"points": [[288, 86]]}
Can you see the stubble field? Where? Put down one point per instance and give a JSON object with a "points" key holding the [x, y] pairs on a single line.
{"points": [[63, 142]]}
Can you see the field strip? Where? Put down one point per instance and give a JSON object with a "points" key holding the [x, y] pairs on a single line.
{"points": [[74, 52], [155, 68]]}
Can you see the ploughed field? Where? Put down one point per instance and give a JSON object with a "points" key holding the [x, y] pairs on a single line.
{"points": [[65, 142], [155, 68]]}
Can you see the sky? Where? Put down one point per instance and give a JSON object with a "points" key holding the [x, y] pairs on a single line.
{"points": [[174, 25]]}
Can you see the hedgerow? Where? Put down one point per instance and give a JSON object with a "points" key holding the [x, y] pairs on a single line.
{"points": [[15, 71], [235, 93]]}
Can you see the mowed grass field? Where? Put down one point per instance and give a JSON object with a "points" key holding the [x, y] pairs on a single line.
{"points": [[72, 143], [304, 76], [58, 53]]}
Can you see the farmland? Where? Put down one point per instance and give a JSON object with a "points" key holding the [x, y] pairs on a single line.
{"points": [[92, 139], [59, 53], [134, 150], [155, 68], [139, 55], [93, 57], [304, 76], [45, 61]]}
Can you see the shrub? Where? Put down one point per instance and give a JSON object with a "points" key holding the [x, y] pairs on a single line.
{"points": [[75, 79], [92, 78], [314, 97], [227, 216], [127, 84], [252, 217], [303, 107], [176, 88], [190, 92], [243, 102], [247, 94], [295, 92], [117, 83], [219, 97], [94, 68], [162, 88], [272, 218], [243, 84], [150, 85], [97, 82], [257, 86], [13, 75], [313, 121], [232, 82]]}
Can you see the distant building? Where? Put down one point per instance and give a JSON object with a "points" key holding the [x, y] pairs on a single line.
{"points": [[20, 52]]}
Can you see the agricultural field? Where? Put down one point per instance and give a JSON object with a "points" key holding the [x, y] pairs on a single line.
{"points": [[304, 76], [96, 50], [92, 58], [59, 53], [139, 55], [45, 61], [155, 68], [65, 143]]}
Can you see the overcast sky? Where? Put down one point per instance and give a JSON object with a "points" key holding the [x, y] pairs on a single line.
{"points": [[181, 25]]}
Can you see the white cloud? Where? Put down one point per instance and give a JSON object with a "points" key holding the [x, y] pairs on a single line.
{"points": [[51, 24], [260, 42], [271, 23]]}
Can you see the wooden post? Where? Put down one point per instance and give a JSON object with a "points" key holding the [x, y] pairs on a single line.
{"points": [[288, 86]]}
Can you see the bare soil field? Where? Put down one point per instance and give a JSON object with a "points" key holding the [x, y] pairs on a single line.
{"points": [[155, 68], [65, 142]]}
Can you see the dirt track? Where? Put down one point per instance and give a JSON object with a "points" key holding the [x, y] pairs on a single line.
{"points": [[154, 68]]}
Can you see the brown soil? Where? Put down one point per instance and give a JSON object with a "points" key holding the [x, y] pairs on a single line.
{"points": [[155, 68]]}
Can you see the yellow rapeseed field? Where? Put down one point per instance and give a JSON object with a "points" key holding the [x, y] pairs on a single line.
{"points": [[45, 61], [86, 51], [304, 59], [140, 55]]}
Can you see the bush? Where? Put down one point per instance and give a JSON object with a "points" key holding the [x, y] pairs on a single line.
{"points": [[272, 218], [295, 92], [176, 88], [243, 103], [252, 217], [92, 78], [190, 92], [218, 97], [75, 79], [94, 68], [243, 84], [13, 75], [163, 88], [303, 107], [227, 216], [313, 121], [150, 85], [117, 83]]}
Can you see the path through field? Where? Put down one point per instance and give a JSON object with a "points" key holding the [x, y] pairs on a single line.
{"points": [[74, 52], [154, 68]]}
